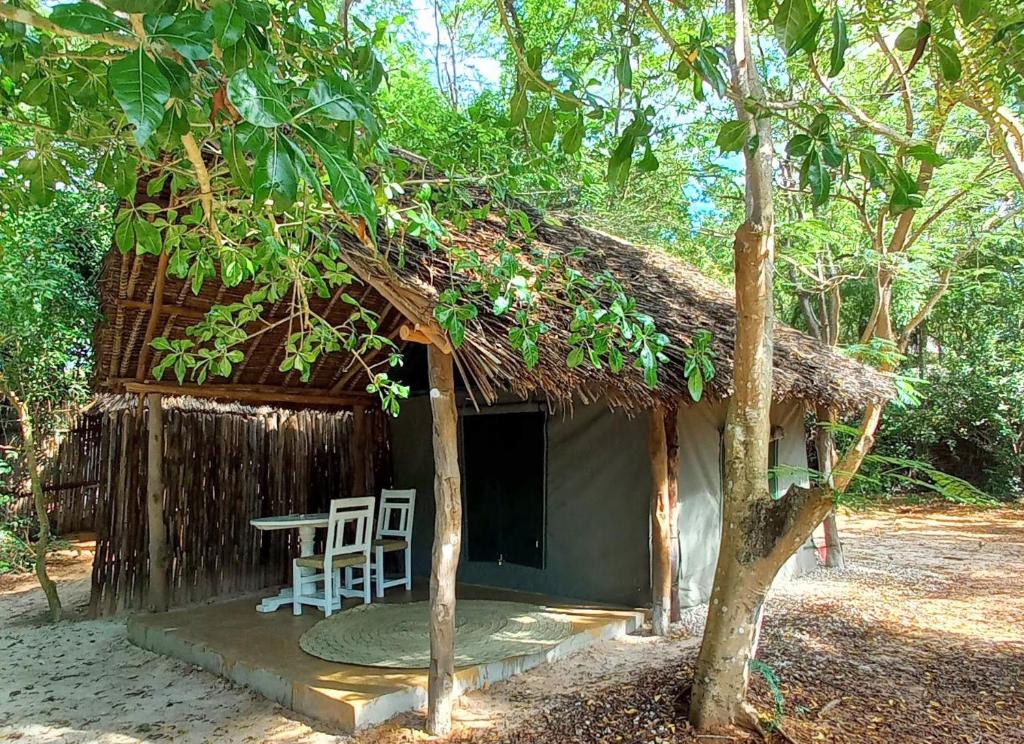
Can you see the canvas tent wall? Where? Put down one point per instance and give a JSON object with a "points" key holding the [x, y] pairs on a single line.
{"points": [[596, 499]]}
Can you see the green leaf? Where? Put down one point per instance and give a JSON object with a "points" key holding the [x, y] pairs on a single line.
{"points": [[623, 70], [872, 167], [949, 63], [86, 18], [799, 145], [255, 12], [136, 6], [228, 23], [147, 237], [124, 236], [621, 161], [648, 163], [907, 39], [830, 152], [970, 10], [188, 33], [177, 76], [573, 137], [334, 98], [695, 385], [349, 187], [840, 43], [905, 193], [926, 154], [542, 127], [234, 154], [819, 125], [732, 136], [575, 358], [797, 24], [257, 99], [141, 90], [274, 176], [815, 175], [519, 106]]}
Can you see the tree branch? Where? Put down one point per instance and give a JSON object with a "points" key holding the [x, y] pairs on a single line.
{"points": [[925, 310], [33, 19], [856, 112]]}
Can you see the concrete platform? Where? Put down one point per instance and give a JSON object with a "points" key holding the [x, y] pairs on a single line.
{"points": [[262, 652]]}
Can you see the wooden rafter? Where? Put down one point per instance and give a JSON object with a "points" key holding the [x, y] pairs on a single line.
{"points": [[154, 317], [261, 394]]}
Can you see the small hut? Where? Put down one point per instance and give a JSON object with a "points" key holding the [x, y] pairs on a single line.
{"points": [[540, 477], [555, 463]]}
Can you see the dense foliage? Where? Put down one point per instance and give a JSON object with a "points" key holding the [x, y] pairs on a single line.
{"points": [[49, 265]]}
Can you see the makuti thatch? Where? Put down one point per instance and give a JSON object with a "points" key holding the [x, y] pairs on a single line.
{"points": [[680, 299]]}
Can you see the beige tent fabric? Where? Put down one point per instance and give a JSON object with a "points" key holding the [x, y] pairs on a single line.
{"points": [[398, 635], [700, 491]]}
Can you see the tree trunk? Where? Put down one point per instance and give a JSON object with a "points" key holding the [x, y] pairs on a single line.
{"points": [[661, 534], [447, 540], [742, 576], [158, 599], [833, 546], [825, 444], [672, 450], [28, 445]]}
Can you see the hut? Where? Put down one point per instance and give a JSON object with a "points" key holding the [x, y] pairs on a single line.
{"points": [[539, 477]]}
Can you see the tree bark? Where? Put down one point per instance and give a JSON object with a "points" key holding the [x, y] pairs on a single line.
{"points": [[742, 575], [672, 450], [158, 599], [447, 541], [28, 445], [661, 533], [359, 455], [825, 444]]}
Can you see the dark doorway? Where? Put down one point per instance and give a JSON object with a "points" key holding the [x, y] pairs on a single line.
{"points": [[505, 487]]}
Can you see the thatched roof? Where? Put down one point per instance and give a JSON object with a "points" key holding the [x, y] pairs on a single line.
{"points": [[138, 307]]}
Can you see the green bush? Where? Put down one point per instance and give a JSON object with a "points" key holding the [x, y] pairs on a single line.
{"points": [[970, 424]]}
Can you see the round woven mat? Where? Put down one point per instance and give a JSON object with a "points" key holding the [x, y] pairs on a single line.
{"points": [[398, 635]]}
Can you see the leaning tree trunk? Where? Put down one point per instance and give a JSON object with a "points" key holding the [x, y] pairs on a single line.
{"points": [[42, 545]]}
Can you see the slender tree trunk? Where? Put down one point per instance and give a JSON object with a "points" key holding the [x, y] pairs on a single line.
{"points": [[447, 540], [825, 444], [672, 450], [28, 445], [158, 598], [758, 533], [722, 673], [661, 534]]}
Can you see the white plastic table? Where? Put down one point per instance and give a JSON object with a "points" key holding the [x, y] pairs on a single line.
{"points": [[306, 524]]}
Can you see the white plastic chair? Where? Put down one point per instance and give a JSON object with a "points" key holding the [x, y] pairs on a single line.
{"points": [[345, 548], [394, 533]]}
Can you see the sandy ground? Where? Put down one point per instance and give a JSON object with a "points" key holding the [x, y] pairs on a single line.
{"points": [[921, 639]]}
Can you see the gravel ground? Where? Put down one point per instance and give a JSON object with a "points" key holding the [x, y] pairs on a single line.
{"points": [[921, 639]]}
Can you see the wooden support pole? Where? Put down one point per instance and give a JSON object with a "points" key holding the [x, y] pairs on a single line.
{"points": [[661, 536], [359, 447], [672, 469], [447, 540], [158, 597]]}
